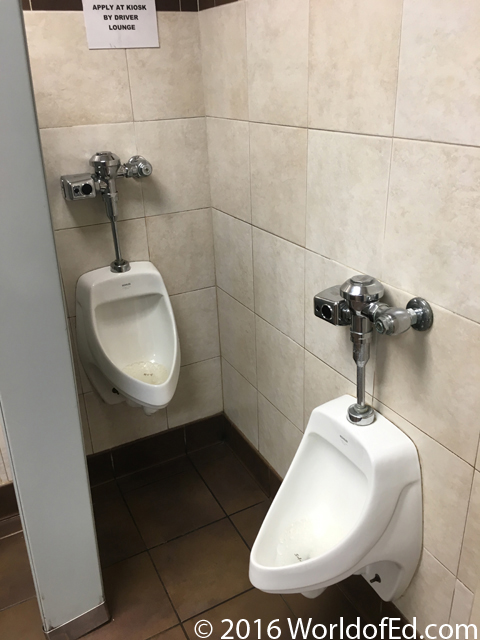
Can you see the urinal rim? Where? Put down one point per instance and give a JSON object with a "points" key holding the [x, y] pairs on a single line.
{"points": [[136, 390], [342, 558]]}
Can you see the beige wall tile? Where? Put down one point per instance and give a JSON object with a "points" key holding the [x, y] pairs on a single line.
{"points": [[438, 89], [86, 248], [3, 451], [432, 239], [331, 343], [469, 568], [462, 605], [68, 150], [4, 454], [197, 324], [443, 518], [279, 438], [177, 150], [430, 594], [87, 439], [354, 47], [280, 371], [279, 268], [237, 336], [347, 198], [167, 82], [198, 395], [240, 399], [233, 257], [278, 157], [322, 383], [115, 424], [431, 378], [83, 383], [181, 247], [277, 56], [229, 166], [224, 61], [59, 55]]}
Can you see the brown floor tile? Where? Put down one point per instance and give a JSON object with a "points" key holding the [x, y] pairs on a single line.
{"points": [[22, 622], [327, 609], [250, 606], [16, 583], [176, 633], [154, 474], [204, 568], [9, 526], [118, 537], [172, 507], [363, 597], [227, 478], [137, 601], [248, 522]]}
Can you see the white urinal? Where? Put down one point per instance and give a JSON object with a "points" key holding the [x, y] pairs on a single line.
{"points": [[127, 336], [351, 503]]}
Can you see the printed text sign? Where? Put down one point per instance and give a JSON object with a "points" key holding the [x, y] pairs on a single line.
{"points": [[120, 26]]}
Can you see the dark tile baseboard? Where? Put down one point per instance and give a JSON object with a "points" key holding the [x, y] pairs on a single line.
{"points": [[8, 501]]}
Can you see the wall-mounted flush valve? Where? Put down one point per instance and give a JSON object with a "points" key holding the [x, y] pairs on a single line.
{"points": [[357, 303], [107, 167]]}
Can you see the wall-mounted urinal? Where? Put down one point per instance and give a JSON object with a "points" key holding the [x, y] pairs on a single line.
{"points": [[351, 502], [126, 332], [127, 336]]}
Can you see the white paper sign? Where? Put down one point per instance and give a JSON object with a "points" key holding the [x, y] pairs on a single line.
{"points": [[121, 26]]}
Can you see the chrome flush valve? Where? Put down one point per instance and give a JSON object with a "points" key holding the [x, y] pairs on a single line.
{"points": [[357, 303]]}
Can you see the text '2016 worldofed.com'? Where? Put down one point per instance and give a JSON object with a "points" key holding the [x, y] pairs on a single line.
{"points": [[308, 629]]}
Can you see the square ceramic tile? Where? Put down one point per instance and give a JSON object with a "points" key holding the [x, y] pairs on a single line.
{"points": [[353, 85], [277, 55], [83, 383], [240, 402], [233, 257], [228, 479], [198, 395], [438, 89], [137, 601], [430, 378], [177, 150], [249, 521], [86, 248], [197, 324], [326, 609], [181, 247], [22, 621], [278, 158], [237, 335], [115, 424], [462, 605], [430, 594], [280, 371], [229, 166], [117, 535], [68, 150], [443, 518], [154, 74], [203, 568], [172, 507], [347, 198], [87, 439], [279, 268], [470, 558], [279, 439], [322, 384], [433, 212], [328, 342], [16, 582], [58, 51], [224, 61], [153, 474], [249, 607]]}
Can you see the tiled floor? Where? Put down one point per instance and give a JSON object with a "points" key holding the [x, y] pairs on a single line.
{"points": [[174, 546]]}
